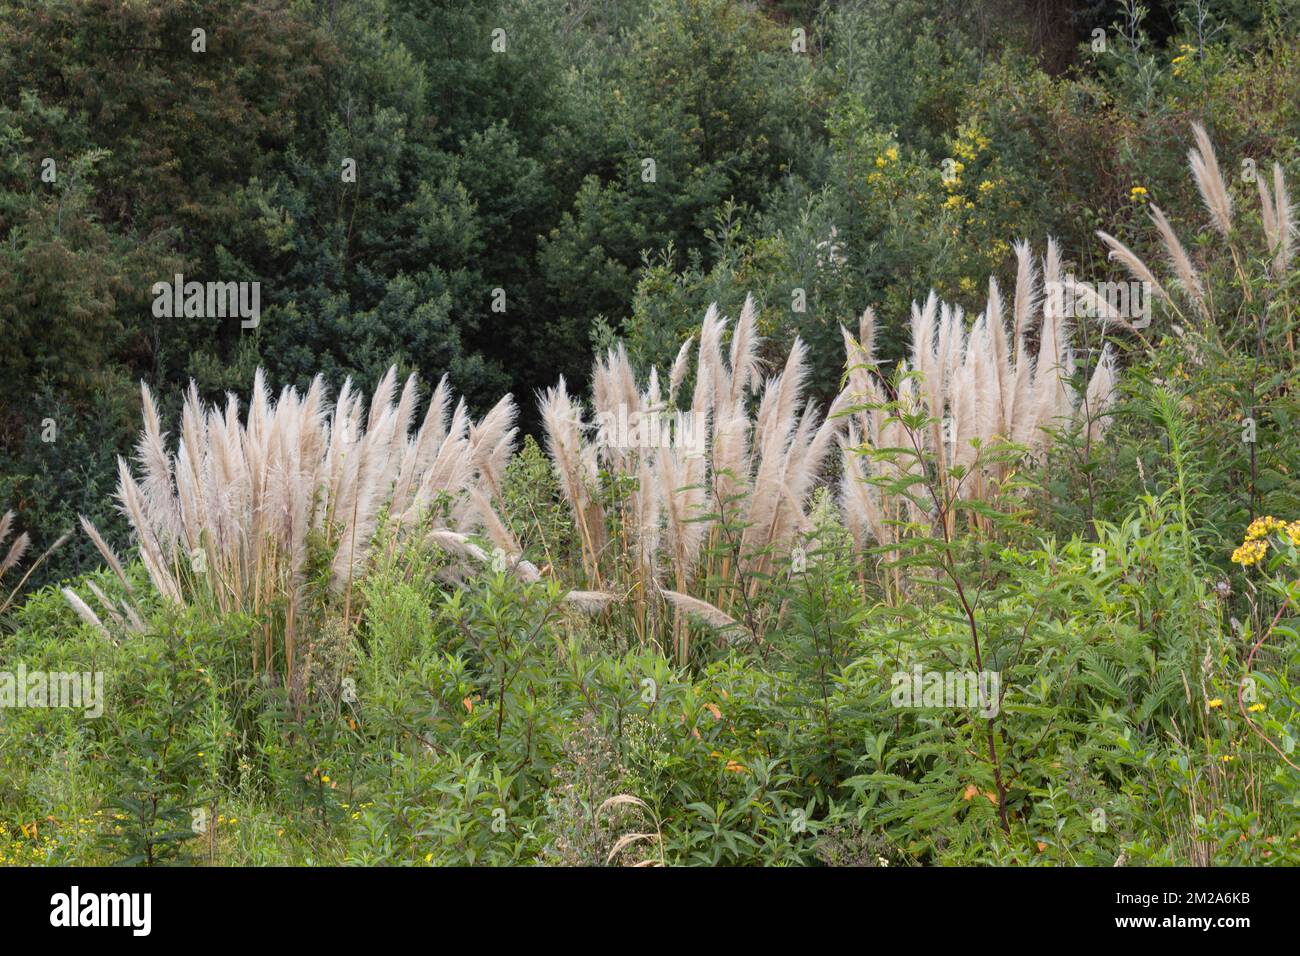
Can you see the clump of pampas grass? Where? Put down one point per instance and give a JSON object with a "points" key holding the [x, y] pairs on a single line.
{"points": [[719, 488], [231, 517], [701, 527], [984, 392]]}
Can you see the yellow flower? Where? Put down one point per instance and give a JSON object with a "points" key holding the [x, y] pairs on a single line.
{"points": [[325, 778], [892, 154], [428, 858], [1185, 51], [1228, 758], [880, 161], [1250, 552], [1255, 546], [1217, 702], [1262, 527], [1138, 194], [1255, 708]]}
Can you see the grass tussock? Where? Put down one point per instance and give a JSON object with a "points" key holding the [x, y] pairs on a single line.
{"points": [[248, 509]]}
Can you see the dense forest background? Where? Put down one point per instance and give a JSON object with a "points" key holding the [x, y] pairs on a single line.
{"points": [[503, 145]]}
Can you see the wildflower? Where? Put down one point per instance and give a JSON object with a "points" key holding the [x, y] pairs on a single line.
{"points": [[1250, 552], [1264, 526], [1255, 546], [1138, 194], [1255, 708], [1228, 758], [1179, 62], [1217, 702]]}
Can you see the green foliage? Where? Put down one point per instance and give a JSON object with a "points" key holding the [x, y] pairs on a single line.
{"points": [[155, 756], [448, 716]]}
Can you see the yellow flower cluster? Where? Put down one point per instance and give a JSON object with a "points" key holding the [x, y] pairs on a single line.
{"points": [[1138, 194], [1250, 552], [1263, 527], [1185, 52], [45, 842], [970, 142], [890, 156], [952, 174], [1255, 546]]}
